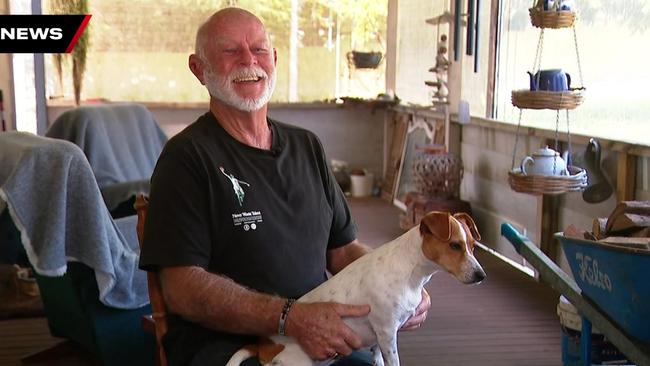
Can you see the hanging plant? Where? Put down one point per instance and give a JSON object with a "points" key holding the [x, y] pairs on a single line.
{"points": [[80, 50]]}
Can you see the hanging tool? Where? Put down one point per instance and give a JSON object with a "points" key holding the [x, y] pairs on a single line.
{"points": [[457, 36], [599, 188], [477, 17], [471, 18]]}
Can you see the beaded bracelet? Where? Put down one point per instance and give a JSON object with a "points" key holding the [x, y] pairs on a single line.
{"points": [[285, 315]]}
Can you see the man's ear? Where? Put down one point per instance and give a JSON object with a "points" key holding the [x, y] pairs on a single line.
{"points": [[196, 66], [275, 57], [437, 224]]}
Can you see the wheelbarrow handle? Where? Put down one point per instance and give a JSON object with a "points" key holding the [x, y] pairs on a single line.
{"points": [[513, 236]]}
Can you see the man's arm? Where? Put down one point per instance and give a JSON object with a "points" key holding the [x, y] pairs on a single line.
{"points": [[219, 303], [339, 258]]}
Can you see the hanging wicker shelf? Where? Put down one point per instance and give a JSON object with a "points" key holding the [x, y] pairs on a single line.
{"points": [[542, 99], [548, 184], [551, 18]]}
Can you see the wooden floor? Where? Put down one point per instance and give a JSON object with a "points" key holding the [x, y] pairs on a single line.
{"points": [[507, 320]]}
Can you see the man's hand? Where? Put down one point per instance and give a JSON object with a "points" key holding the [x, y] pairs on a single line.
{"points": [[321, 332], [420, 315]]}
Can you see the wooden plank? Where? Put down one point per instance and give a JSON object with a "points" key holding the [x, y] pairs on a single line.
{"points": [[389, 183], [625, 177]]}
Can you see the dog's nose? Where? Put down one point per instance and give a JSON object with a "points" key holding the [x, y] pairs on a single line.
{"points": [[479, 275]]}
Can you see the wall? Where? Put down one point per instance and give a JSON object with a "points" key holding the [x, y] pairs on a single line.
{"points": [[350, 133], [6, 78]]}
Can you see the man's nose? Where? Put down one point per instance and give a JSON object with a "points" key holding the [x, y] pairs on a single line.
{"points": [[247, 57]]}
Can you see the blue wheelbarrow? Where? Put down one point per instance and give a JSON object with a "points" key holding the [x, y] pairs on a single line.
{"points": [[617, 302]]}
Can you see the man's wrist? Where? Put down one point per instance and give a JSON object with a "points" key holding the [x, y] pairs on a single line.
{"points": [[284, 315]]}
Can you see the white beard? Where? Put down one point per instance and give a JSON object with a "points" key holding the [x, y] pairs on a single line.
{"points": [[220, 87]]}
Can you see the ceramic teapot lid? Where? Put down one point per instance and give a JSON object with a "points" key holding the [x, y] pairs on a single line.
{"points": [[546, 151]]}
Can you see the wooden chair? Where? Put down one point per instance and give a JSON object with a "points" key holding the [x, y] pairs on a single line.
{"points": [[156, 322]]}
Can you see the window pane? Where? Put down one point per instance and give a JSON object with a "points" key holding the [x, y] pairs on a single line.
{"points": [[139, 49], [612, 40]]}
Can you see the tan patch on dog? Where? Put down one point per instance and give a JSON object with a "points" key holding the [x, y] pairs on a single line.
{"points": [[268, 350]]}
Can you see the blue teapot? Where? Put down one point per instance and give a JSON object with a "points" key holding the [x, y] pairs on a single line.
{"points": [[551, 80], [559, 5]]}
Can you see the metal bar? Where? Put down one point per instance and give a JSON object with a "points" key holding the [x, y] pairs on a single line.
{"points": [[457, 20], [2, 117], [585, 342], [555, 277], [477, 28], [39, 82], [469, 48]]}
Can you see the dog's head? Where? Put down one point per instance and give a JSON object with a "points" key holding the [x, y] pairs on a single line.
{"points": [[449, 241]]}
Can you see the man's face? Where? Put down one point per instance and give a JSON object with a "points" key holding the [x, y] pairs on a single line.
{"points": [[240, 67]]}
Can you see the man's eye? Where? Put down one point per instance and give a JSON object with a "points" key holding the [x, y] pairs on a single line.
{"points": [[229, 50]]}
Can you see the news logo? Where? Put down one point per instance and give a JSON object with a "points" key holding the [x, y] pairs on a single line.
{"points": [[41, 33]]}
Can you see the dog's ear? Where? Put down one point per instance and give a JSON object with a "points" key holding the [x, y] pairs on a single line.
{"points": [[467, 220], [436, 224]]}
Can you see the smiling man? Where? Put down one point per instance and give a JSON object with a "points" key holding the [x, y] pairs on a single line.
{"points": [[245, 215]]}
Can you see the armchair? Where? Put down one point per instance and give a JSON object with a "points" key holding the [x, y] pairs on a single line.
{"points": [[85, 262], [122, 143]]}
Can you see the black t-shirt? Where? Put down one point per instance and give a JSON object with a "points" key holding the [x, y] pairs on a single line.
{"points": [[264, 218]]}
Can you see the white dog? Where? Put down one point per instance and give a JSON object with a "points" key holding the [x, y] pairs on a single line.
{"points": [[390, 280]]}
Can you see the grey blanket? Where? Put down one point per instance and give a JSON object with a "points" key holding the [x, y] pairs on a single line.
{"points": [[122, 143], [54, 200]]}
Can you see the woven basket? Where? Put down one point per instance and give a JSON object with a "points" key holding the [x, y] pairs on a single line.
{"points": [[542, 99], [437, 174], [552, 18], [548, 184]]}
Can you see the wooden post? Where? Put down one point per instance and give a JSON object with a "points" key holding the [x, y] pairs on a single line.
{"points": [[549, 210], [625, 177]]}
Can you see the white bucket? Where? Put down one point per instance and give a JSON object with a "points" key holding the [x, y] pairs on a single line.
{"points": [[361, 185]]}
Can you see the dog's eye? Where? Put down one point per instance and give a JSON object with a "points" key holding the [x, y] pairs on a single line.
{"points": [[455, 246]]}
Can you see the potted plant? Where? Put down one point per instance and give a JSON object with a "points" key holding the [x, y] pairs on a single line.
{"points": [[365, 60]]}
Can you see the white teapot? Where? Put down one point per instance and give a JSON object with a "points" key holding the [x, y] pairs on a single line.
{"points": [[545, 161]]}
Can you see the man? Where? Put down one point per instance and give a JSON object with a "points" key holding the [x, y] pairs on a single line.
{"points": [[245, 214]]}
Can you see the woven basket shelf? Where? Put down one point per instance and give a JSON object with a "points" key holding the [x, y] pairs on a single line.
{"points": [[551, 18], [542, 99], [548, 184]]}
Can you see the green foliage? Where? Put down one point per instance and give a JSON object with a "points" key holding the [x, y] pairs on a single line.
{"points": [[365, 19], [367, 16], [81, 48]]}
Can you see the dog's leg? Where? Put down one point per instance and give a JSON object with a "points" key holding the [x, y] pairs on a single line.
{"points": [[388, 344]]}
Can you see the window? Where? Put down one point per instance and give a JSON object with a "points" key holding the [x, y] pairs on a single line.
{"points": [[139, 49], [613, 39]]}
